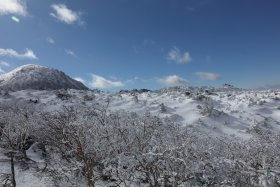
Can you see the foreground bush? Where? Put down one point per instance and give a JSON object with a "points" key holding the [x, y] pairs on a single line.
{"points": [[92, 144]]}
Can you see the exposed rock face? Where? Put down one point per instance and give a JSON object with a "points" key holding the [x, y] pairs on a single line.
{"points": [[38, 77]]}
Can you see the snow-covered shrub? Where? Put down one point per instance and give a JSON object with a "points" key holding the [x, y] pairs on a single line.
{"points": [[6, 180], [261, 102], [34, 100], [80, 145], [88, 144], [162, 108], [5, 94], [188, 93], [200, 97], [62, 94], [17, 126], [135, 99], [89, 97], [206, 109]]}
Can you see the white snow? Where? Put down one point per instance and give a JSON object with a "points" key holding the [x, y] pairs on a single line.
{"points": [[234, 113]]}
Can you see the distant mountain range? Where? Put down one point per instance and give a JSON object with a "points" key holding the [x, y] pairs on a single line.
{"points": [[38, 77]]}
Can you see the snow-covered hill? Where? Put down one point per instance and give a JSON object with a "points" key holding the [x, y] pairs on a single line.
{"points": [[38, 77], [217, 111]]}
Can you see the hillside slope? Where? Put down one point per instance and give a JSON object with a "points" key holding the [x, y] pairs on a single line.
{"points": [[38, 77]]}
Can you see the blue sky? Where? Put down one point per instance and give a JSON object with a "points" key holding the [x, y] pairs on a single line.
{"points": [[125, 44]]}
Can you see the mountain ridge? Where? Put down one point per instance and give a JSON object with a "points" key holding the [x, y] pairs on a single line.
{"points": [[37, 77]]}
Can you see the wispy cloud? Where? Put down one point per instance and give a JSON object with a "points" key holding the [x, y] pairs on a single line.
{"points": [[175, 55], [208, 76], [80, 80], [103, 83], [173, 80], [3, 63], [70, 52], [50, 40], [27, 54], [66, 15], [17, 7]]}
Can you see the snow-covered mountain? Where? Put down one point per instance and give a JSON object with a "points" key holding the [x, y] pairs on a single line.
{"points": [[38, 77]]}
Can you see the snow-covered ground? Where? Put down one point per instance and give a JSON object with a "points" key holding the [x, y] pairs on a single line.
{"points": [[218, 112], [25, 176], [232, 112]]}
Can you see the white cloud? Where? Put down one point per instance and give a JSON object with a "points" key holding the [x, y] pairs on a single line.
{"points": [[208, 76], [3, 63], [176, 56], [17, 7], [50, 40], [80, 79], [28, 54], [101, 82], [70, 52], [64, 14], [173, 80]]}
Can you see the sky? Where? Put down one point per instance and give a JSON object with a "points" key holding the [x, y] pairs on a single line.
{"points": [[126, 44]]}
